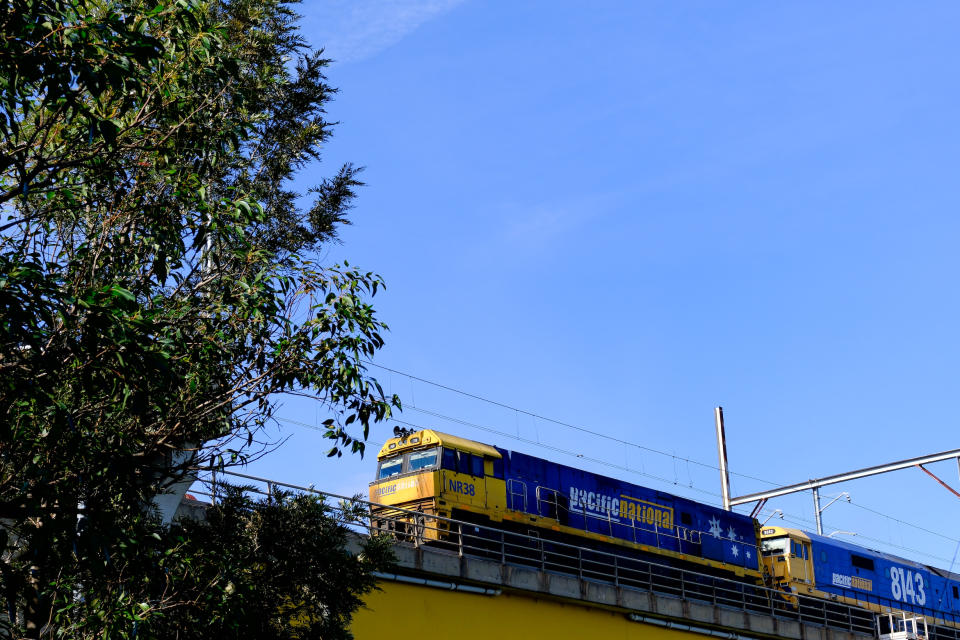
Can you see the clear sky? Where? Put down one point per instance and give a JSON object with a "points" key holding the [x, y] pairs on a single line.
{"points": [[618, 215]]}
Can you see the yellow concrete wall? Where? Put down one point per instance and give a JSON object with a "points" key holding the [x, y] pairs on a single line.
{"points": [[409, 611]]}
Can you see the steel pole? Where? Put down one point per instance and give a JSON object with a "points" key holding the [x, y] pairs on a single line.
{"points": [[722, 452], [816, 509]]}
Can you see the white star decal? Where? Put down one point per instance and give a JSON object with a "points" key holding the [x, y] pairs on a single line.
{"points": [[733, 550], [715, 527], [748, 555], [731, 533]]}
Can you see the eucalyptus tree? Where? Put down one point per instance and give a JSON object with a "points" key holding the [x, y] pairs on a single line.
{"points": [[158, 291]]}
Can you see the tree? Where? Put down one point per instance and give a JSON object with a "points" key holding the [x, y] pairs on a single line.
{"points": [[280, 568], [157, 293]]}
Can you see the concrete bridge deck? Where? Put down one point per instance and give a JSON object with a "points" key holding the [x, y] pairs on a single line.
{"points": [[468, 597]]}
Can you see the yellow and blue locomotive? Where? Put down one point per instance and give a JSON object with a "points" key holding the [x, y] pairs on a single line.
{"points": [[438, 474], [800, 562]]}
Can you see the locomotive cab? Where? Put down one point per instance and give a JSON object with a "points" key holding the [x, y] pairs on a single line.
{"points": [[787, 560], [429, 473]]}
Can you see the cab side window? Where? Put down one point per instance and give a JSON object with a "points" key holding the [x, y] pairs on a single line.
{"points": [[476, 465], [860, 562], [449, 459], [468, 463], [498, 468], [463, 462]]}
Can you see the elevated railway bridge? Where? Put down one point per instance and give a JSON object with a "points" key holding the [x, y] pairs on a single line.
{"points": [[484, 583]]}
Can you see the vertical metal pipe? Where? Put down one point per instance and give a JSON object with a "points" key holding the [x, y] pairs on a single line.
{"points": [[816, 509], [722, 451]]}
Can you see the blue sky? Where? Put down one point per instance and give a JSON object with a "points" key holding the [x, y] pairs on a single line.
{"points": [[618, 215]]}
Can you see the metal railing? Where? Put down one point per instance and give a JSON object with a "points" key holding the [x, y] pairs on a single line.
{"points": [[470, 539]]}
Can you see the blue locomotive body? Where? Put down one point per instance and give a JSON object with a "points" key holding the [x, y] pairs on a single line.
{"points": [[592, 503], [849, 570], [811, 564]]}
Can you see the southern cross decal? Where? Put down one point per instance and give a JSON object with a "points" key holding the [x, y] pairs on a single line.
{"points": [[715, 527]]}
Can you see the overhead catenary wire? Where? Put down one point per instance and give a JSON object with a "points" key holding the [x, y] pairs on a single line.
{"points": [[803, 521], [562, 423], [903, 522]]}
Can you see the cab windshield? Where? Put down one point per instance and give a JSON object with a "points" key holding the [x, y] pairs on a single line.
{"points": [[775, 546], [423, 459], [408, 462], [391, 466]]}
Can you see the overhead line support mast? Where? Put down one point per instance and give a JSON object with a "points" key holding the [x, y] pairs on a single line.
{"points": [[814, 485]]}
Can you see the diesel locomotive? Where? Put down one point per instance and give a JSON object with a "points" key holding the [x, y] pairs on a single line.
{"points": [[806, 563], [442, 475], [437, 474]]}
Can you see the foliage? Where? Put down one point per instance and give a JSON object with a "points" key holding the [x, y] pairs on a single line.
{"points": [[267, 587], [156, 289], [281, 568]]}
